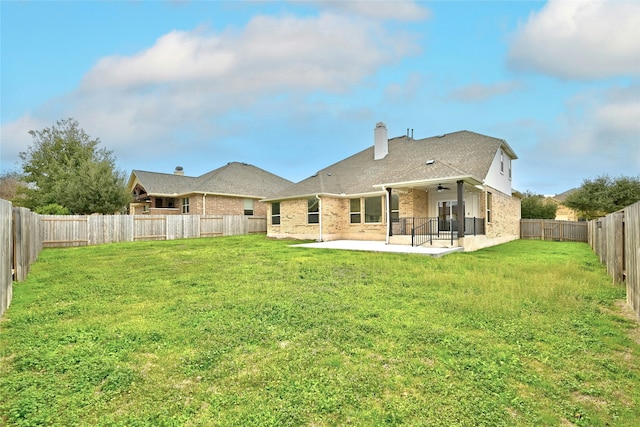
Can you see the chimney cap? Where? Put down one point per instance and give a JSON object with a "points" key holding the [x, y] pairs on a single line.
{"points": [[179, 170]]}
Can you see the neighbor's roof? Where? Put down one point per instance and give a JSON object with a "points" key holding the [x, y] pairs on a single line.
{"points": [[238, 179], [456, 155], [563, 196]]}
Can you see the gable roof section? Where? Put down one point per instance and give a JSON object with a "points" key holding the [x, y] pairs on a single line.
{"points": [[233, 179], [563, 196], [456, 155]]}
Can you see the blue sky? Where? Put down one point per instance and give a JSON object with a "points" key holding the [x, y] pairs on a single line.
{"points": [[292, 87]]}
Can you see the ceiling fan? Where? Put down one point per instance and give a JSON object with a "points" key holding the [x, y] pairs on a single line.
{"points": [[441, 188]]}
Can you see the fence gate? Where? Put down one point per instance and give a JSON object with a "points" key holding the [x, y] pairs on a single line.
{"points": [[551, 231]]}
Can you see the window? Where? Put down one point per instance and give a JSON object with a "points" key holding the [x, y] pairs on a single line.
{"points": [[373, 209], [248, 206], [185, 205], [354, 211], [509, 168], [395, 208], [165, 203], [489, 203], [313, 211], [501, 161], [275, 213]]}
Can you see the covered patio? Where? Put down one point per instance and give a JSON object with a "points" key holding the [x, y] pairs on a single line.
{"points": [[450, 211]]}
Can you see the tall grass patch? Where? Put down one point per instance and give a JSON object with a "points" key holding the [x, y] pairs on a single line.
{"points": [[250, 331]]}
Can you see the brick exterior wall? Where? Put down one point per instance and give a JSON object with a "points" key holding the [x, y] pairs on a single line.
{"points": [[505, 216], [335, 222], [413, 204], [293, 221]]}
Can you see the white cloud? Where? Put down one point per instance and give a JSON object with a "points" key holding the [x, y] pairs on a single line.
{"points": [[481, 92], [400, 10], [580, 40], [16, 138], [328, 52], [194, 88], [598, 134]]}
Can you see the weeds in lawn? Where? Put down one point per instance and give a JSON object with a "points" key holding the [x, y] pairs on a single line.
{"points": [[250, 331]]}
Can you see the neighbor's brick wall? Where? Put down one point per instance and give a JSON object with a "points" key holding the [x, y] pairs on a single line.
{"points": [[223, 205]]}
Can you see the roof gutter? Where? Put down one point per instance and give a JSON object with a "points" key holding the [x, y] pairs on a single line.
{"points": [[468, 178], [302, 196], [387, 210], [207, 193]]}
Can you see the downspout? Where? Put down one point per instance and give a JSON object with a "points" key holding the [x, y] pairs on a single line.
{"points": [[319, 216], [387, 198]]}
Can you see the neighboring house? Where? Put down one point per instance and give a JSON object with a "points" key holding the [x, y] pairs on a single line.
{"points": [[233, 189], [563, 213], [407, 191]]}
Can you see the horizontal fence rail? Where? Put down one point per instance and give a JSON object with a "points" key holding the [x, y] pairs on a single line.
{"points": [[549, 229]]}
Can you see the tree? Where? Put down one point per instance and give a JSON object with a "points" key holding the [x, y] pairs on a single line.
{"points": [[603, 195], [534, 206], [65, 167], [10, 184]]}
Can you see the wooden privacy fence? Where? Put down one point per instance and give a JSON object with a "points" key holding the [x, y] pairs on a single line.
{"points": [[616, 240], [79, 230], [20, 245], [6, 280], [549, 229]]}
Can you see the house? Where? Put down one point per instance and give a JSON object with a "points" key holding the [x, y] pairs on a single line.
{"points": [[563, 213], [447, 190], [233, 189]]}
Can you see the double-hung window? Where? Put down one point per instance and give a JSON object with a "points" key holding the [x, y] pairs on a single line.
{"points": [[275, 213], [185, 205], [248, 206], [354, 211], [313, 211]]}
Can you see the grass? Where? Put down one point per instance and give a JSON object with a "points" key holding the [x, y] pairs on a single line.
{"points": [[248, 331]]}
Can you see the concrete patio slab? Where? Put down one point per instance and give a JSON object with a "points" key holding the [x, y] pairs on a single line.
{"points": [[378, 246]]}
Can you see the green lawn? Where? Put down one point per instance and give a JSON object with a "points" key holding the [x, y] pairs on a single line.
{"points": [[248, 331]]}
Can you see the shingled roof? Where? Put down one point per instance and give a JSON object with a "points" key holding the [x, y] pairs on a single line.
{"points": [[459, 155], [234, 179]]}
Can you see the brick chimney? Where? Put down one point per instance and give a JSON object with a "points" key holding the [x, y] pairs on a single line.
{"points": [[179, 171], [381, 142]]}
